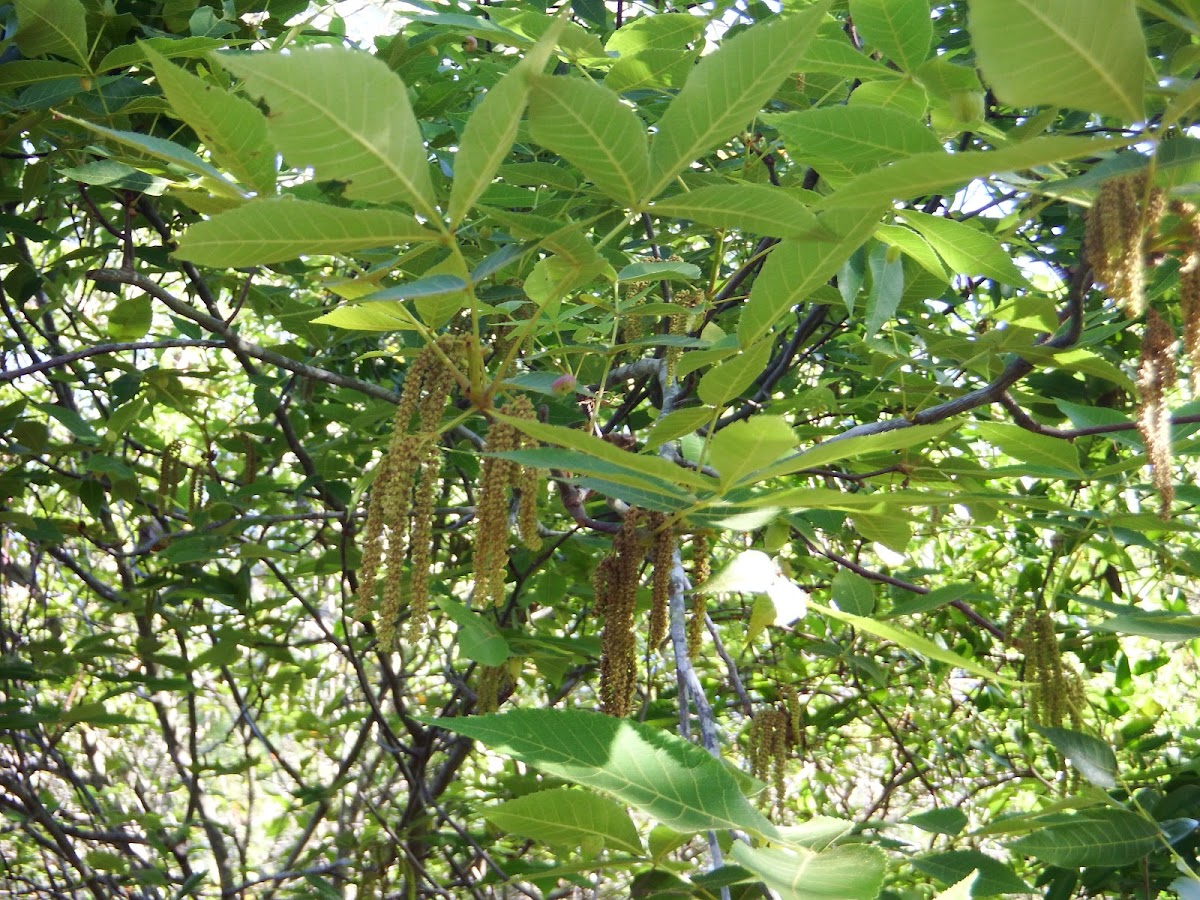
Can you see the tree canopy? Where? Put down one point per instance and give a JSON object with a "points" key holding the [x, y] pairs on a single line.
{"points": [[588, 449]]}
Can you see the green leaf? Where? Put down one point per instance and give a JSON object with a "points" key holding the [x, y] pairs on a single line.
{"points": [[817, 833], [851, 872], [919, 603], [669, 779], [728, 379], [901, 29], [1155, 625], [852, 593], [1091, 757], [345, 114], [653, 467], [887, 289], [751, 208], [627, 472], [677, 423], [131, 318], [567, 818], [492, 127], [36, 71], [1083, 54], [853, 139], [994, 877], [844, 448], [478, 638], [966, 250], [928, 173], [167, 151], [750, 444], [232, 128], [914, 642], [368, 317], [840, 58], [127, 55], [650, 69], [590, 127], [726, 89], [429, 286], [948, 820], [1095, 837], [960, 890], [913, 246], [663, 31], [52, 28], [795, 269], [268, 231], [1030, 447], [673, 270], [118, 176]]}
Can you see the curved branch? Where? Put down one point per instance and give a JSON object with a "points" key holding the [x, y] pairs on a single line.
{"points": [[233, 341], [67, 358]]}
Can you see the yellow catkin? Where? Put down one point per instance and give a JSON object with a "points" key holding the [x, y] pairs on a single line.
{"points": [[1189, 290], [170, 472], [615, 585], [1156, 374], [399, 522], [195, 490], [497, 477], [767, 745], [663, 558], [1056, 690], [1121, 223], [491, 515], [492, 681], [249, 458], [701, 571]]}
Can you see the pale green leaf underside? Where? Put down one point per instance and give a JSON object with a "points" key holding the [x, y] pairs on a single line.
{"points": [[927, 173], [857, 138], [965, 249], [797, 268], [232, 128], [492, 127], [669, 779], [589, 126], [567, 817], [345, 114], [852, 872], [751, 208], [726, 89], [746, 446], [728, 379], [52, 27], [1030, 447], [902, 29], [1082, 54], [268, 231]]}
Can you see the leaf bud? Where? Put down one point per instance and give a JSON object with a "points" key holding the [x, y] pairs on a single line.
{"points": [[967, 106]]}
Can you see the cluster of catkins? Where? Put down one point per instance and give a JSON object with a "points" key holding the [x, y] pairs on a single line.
{"points": [[774, 730], [1056, 692], [1122, 227], [400, 515]]}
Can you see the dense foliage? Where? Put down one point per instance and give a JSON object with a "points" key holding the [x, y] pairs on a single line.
{"points": [[668, 450]]}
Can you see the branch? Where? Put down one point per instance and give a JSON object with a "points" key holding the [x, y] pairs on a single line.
{"points": [[989, 626], [76, 355], [231, 338]]}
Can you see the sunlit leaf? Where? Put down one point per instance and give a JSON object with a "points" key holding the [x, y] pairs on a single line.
{"points": [[669, 779]]}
